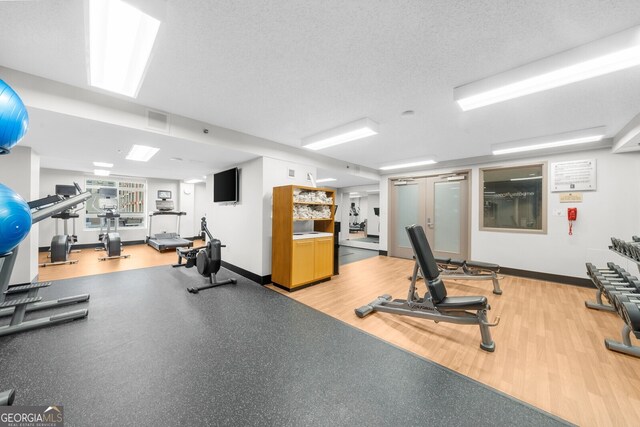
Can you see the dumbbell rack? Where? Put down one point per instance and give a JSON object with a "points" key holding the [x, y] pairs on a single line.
{"points": [[628, 311], [626, 256]]}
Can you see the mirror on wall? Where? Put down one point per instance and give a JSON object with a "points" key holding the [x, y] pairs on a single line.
{"points": [[361, 216]]}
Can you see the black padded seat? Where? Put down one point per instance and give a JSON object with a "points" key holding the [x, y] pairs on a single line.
{"points": [[458, 262], [483, 265], [441, 260], [463, 303]]}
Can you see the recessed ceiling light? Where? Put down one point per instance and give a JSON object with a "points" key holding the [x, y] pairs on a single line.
{"points": [[408, 165], [120, 42], [103, 165], [101, 172], [616, 52], [193, 181], [551, 141], [408, 113], [345, 133], [141, 153], [326, 180]]}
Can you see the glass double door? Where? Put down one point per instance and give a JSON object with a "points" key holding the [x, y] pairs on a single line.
{"points": [[440, 204]]}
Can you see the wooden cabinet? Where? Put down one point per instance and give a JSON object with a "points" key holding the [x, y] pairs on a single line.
{"points": [[307, 258], [302, 265], [323, 256]]}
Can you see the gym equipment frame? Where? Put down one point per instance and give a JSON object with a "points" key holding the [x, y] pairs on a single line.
{"points": [[453, 269], [18, 307], [435, 305], [207, 259]]}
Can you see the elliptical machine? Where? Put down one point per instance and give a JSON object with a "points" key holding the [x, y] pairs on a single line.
{"points": [[110, 239], [61, 243], [207, 260]]}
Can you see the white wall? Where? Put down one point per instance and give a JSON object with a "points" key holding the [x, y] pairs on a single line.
{"points": [[50, 177], [200, 202], [187, 205], [275, 174], [20, 172], [612, 210], [239, 225], [245, 227]]}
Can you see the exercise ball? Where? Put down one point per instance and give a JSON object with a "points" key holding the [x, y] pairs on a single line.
{"points": [[14, 119], [15, 219]]}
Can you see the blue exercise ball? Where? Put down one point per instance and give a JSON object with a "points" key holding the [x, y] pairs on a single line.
{"points": [[15, 219], [14, 119]]}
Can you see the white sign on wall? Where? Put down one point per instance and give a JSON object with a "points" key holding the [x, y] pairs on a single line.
{"points": [[576, 175]]}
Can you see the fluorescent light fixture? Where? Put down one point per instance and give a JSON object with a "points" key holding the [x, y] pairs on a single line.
{"points": [[526, 178], [103, 165], [408, 165], [193, 181], [101, 172], [551, 141], [141, 153], [345, 133], [326, 180], [373, 191], [120, 42], [354, 193], [613, 53]]}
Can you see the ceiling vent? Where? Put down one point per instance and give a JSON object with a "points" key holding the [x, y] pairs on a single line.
{"points": [[158, 121]]}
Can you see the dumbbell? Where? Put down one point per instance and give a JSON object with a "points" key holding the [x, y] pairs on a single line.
{"points": [[631, 315], [612, 268]]}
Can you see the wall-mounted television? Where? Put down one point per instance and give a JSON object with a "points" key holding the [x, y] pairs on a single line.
{"points": [[226, 186]]}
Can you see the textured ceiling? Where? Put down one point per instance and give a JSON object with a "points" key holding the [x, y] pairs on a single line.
{"points": [[286, 69], [71, 143]]}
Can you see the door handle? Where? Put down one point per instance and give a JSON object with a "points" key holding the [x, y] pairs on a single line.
{"points": [[429, 223]]}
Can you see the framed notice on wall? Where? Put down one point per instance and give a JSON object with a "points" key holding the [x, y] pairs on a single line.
{"points": [[576, 175]]}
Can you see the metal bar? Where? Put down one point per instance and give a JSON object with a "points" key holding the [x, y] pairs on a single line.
{"points": [[58, 207], [464, 319], [8, 262], [47, 304]]}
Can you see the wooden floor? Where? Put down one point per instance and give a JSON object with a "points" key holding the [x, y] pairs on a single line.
{"points": [[549, 346], [142, 256]]}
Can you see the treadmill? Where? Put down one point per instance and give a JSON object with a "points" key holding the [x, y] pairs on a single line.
{"points": [[164, 241]]}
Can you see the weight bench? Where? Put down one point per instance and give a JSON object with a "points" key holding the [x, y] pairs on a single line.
{"points": [[435, 305], [455, 269]]}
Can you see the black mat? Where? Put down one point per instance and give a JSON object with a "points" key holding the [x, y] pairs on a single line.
{"points": [[151, 354]]}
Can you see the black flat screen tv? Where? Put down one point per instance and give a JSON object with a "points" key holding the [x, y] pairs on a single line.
{"points": [[225, 186]]}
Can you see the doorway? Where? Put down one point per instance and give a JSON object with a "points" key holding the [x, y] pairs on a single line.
{"points": [[440, 204]]}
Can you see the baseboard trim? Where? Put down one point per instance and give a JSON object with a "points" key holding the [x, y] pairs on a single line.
{"points": [[93, 245], [261, 280], [558, 278], [383, 253], [297, 288]]}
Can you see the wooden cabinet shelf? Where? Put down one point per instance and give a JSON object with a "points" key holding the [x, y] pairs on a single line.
{"points": [[312, 203], [300, 262]]}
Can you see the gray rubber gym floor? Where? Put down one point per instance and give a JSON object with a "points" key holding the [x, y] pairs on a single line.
{"points": [[151, 354]]}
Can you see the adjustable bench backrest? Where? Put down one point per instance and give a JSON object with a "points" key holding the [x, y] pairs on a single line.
{"points": [[426, 262]]}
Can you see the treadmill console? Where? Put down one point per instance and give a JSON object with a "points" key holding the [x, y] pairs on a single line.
{"points": [[164, 205], [164, 194]]}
